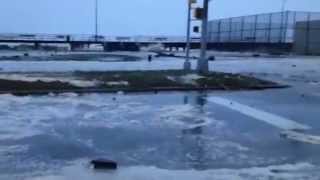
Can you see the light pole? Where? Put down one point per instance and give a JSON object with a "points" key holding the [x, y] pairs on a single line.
{"points": [[203, 65], [96, 20], [187, 64], [283, 7]]}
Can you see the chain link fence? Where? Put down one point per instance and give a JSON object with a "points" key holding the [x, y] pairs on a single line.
{"points": [[301, 29]]}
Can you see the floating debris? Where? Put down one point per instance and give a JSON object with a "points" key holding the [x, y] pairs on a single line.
{"points": [[104, 164]]}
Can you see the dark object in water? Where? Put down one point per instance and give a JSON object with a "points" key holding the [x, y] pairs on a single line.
{"points": [[104, 164], [256, 55], [150, 58], [277, 171], [26, 54], [212, 58]]}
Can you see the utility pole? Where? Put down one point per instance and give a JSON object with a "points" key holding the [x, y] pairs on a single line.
{"points": [[96, 20], [283, 7], [203, 66], [187, 64]]}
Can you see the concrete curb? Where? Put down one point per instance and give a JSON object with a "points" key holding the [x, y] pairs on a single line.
{"points": [[126, 90]]}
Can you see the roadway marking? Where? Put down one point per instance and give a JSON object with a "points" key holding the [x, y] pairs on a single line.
{"points": [[301, 137], [272, 119]]}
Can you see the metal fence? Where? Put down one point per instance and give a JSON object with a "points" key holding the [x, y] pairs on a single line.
{"points": [[281, 27]]}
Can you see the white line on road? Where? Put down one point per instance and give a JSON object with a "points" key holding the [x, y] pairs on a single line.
{"points": [[301, 137], [272, 119]]}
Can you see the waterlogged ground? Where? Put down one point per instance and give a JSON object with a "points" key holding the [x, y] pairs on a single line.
{"points": [[177, 135], [290, 70], [153, 136]]}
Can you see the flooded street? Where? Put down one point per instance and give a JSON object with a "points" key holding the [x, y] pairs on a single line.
{"points": [[169, 131], [175, 135], [160, 90]]}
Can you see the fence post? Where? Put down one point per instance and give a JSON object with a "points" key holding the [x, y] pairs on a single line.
{"points": [[230, 29], [286, 27], [219, 31], [242, 28], [294, 19], [270, 28], [307, 45], [281, 27], [255, 28], [294, 25]]}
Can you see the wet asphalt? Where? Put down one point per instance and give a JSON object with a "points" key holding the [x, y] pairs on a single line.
{"points": [[172, 130]]}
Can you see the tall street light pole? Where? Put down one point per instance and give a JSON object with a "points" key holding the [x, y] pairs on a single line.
{"points": [[282, 30], [203, 65], [187, 64], [283, 7], [96, 20]]}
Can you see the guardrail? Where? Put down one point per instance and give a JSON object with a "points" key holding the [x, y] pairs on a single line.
{"points": [[93, 38]]}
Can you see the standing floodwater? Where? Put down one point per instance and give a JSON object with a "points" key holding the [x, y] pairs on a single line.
{"points": [[169, 131]]}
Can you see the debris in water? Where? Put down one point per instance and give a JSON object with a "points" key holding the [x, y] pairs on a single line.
{"points": [[104, 164], [212, 58], [277, 171], [150, 58]]}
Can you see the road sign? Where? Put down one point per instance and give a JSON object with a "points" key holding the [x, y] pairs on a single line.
{"points": [[199, 13], [196, 29]]}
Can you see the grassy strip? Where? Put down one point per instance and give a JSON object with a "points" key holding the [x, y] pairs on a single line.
{"points": [[10, 85], [159, 79], [141, 81]]}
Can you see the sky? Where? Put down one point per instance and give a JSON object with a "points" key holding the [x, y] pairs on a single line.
{"points": [[124, 17]]}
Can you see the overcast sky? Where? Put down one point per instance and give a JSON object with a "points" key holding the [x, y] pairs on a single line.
{"points": [[124, 17]]}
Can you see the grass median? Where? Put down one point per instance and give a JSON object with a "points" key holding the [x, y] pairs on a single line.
{"points": [[136, 81]]}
